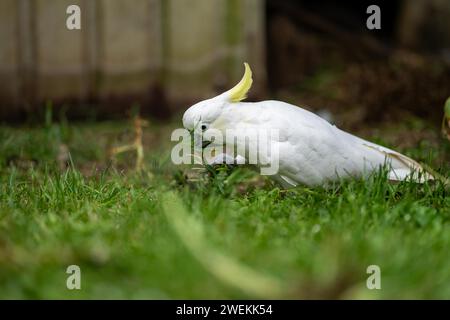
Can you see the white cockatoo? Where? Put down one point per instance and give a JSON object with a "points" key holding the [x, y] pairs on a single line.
{"points": [[311, 151], [446, 120]]}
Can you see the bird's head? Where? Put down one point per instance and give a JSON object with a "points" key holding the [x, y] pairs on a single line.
{"points": [[202, 114]]}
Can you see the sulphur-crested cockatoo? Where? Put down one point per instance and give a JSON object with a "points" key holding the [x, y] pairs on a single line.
{"points": [[311, 151]]}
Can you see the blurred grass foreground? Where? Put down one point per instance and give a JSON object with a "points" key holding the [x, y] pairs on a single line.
{"points": [[163, 232]]}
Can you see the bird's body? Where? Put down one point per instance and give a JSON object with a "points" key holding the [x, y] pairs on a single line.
{"points": [[311, 150]]}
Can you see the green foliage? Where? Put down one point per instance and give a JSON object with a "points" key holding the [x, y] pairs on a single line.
{"points": [[317, 242]]}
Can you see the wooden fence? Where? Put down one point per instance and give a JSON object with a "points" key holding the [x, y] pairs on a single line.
{"points": [[134, 49]]}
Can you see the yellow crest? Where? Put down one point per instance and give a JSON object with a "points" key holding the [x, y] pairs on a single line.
{"points": [[239, 92]]}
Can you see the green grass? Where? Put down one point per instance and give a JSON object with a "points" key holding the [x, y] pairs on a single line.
{"points": [[157, 234]]}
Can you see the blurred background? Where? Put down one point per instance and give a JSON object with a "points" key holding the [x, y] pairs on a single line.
{"points": [[162, 55]]}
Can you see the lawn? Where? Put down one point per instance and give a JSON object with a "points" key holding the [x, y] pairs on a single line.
{"points": [[170, 232]]}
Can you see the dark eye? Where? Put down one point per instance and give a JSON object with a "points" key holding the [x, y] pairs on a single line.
{"points": [[204, 127]]}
